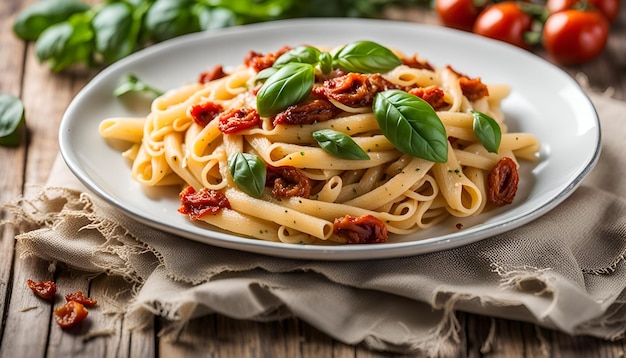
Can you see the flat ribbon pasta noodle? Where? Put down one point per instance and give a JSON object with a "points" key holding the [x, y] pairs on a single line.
{"points": [[176, 143]]}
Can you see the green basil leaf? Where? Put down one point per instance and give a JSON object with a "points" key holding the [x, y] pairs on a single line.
{"points": [[170, 18], [132, 84], [248, 172], [339, 144], [366, 57], [113, 26], [11, 119], [411, 125], [265, 74], [36, 18], [263, 10], [211, 18], [66, 43], [53, 41], [289, 85], [325, 60], [487, 130], [302, 54]]}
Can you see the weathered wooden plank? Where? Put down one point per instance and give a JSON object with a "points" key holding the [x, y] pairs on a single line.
{"points": [[318, 344], [28, 317], [102, 333], [197, 338], [11, 177], [68, 342]]}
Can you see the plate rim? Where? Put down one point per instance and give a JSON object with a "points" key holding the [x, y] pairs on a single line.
{"points": [[296, 251]]}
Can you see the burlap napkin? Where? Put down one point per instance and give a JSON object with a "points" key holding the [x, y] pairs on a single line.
{"points": [[565, 270]]}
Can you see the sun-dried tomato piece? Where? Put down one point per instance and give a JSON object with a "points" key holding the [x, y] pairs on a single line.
{"points": [[502, 182], [204, 113], [238, 119], [259, 61], [43, 289], [80, 298], [215, 73], [354, 89], [204, 202], [70, 314], [366, 229], [431, 94], [417, 63], [287, 182], [472, 88], [317, 110]]}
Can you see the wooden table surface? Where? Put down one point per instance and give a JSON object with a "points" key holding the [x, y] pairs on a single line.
{"points": [[26, 329]]}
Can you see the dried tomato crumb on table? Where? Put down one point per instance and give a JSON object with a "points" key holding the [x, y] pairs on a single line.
{"points": [[80, 298], [43, 289], [70, 314]]}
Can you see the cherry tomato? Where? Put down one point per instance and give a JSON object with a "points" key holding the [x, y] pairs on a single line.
{"points": [[458, 14], [70, 314], [43, 289], [574, 36], [610, 8], [504, 21]]}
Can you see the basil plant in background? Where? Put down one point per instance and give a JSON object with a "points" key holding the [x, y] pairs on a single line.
{"points": [[71, 32]]}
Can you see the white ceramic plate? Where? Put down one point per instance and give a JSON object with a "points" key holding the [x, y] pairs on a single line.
{"points": [[545, 101]]}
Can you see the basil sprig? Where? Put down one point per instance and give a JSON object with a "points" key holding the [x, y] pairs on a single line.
{"points": [[11, 119], [339, 144], [292, 76], [35, 19], [133, 84], [67, 42], [248, 172], [158, 20], [366, 57], [302, 54], [289, 85], [411, 125], [487, 130], [115, 31]]}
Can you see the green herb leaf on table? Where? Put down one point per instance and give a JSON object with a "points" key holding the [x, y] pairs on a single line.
{"points": [[366, 57], [159, 20], [12, 117], [132, 84], [487, 130], [411, 125], [36, 18], [339, 145], [66, 43], [114, 31], [211, 18], [255, 10], [289, 85], [248, 172], [167, 19]]}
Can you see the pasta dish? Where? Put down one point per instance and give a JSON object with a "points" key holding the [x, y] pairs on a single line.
{"points": [[311, 145]]}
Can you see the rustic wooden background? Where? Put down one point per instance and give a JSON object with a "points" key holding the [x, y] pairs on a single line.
{"points": [[27, 328]]}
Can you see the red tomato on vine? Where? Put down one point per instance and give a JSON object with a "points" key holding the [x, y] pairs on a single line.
{"points": [[610, 8], [459, 14], [505, 21], [575, 36]]}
